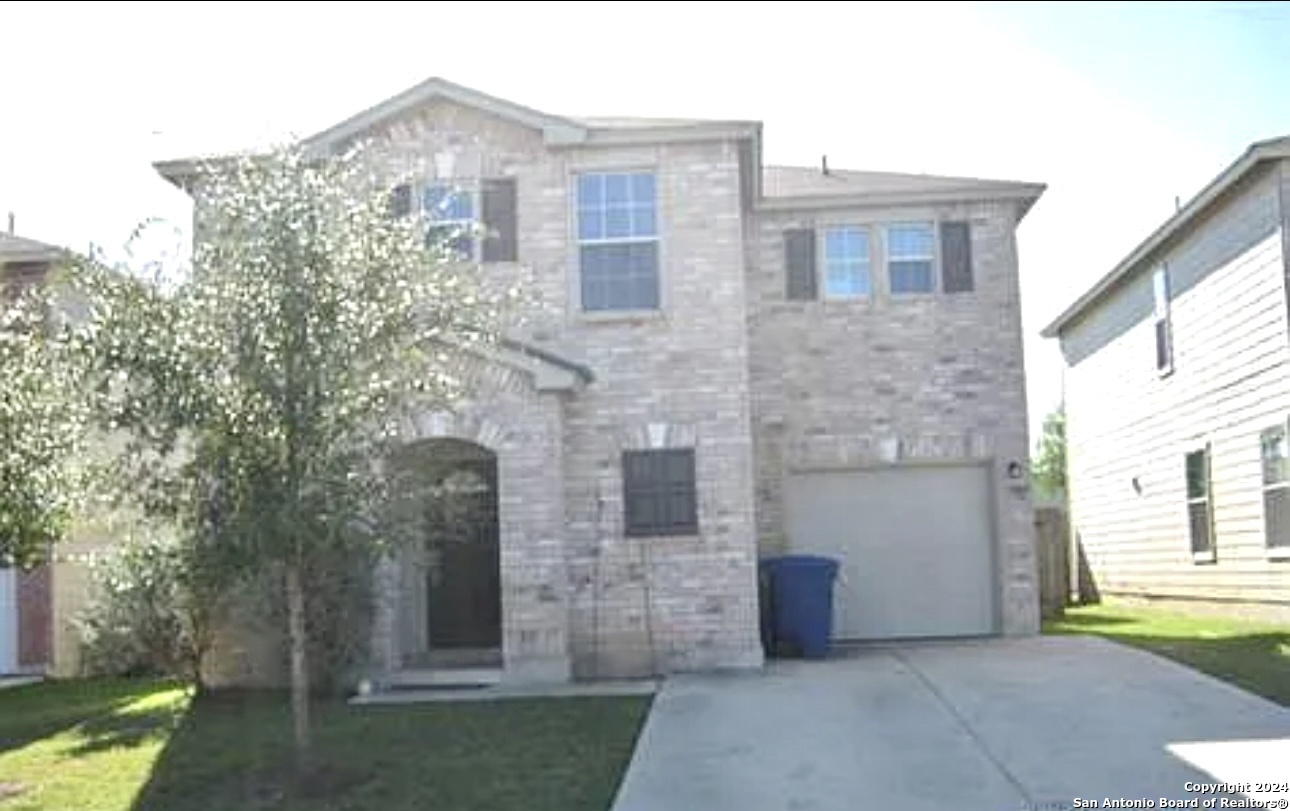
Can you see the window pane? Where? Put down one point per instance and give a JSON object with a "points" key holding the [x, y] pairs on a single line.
{"points": [[643, 188], [1276, 509], [591, 223], [591, 191], [910, 241], [1160, 288], [617, 190], [618, 223], [1274, 456], [911, 277], [644, 222], [1162, 345], [1198, 515], [1196, 475], [624, 203], [620, 276]]}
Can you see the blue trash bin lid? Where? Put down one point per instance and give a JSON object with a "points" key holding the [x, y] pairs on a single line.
{"points": [[800, 562]]}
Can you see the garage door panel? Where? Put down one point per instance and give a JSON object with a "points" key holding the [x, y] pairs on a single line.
{"points": [[914, 546]]}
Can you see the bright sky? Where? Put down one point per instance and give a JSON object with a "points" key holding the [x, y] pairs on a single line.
{"points": [[1119, 108]]}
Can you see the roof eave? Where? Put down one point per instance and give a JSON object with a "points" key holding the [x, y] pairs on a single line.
{"points": [[1025, 194], [705, 131], [1255, 155]]}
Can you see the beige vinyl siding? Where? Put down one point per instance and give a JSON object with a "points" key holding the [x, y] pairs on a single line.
{"points": [[1231, 380]]}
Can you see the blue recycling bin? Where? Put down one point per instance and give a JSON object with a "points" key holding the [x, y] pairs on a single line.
{"points": [[800, 603]]}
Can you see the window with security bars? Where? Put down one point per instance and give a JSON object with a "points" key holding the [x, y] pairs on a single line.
{"points": [[659, 493]]}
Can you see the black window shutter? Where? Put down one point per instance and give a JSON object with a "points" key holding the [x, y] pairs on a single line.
{"points": [[500, 222], [799, 261], [401, 200], [956, 257]]}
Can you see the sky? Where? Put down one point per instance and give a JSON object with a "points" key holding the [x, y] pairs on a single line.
{"points": [[1122, 109]]}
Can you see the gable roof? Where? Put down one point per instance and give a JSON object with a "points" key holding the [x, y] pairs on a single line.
{"points": [[557, 130], [1254, 156], [14, 248], [793, 186]]}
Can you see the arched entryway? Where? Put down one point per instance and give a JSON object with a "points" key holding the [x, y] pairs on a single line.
{"points": [[451, 606]]}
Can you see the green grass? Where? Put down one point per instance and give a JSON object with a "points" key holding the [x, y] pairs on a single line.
{"points": [[147, 746], [1251, 655]]}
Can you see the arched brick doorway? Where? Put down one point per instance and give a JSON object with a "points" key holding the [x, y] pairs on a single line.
{"points": [[451, 573]]}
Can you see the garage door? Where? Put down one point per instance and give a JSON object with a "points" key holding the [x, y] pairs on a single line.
{"points": [[8, 621], [915, 545]]}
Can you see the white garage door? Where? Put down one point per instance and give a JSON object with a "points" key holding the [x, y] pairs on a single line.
{"points": [[915, 546], [8, 621]]}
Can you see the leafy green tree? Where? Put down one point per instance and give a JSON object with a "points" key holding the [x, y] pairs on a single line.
{"points": [[1050, 462], [261, 391], [42, 426]]}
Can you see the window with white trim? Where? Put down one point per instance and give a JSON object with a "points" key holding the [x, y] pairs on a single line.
{"points": [[1163, 321], [618, 243], [1276, 490], [452, 214], [911, 258], [846, 262], [1200, 509]]}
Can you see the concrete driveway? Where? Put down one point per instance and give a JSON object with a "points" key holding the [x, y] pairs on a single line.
{"points": [[1036, 724]]}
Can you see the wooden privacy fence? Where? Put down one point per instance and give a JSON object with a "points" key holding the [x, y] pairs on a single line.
{"points": [[1052, 542]]}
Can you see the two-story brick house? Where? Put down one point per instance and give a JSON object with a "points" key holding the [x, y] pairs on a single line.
{"points": [[1177, 401], [724, 360]]}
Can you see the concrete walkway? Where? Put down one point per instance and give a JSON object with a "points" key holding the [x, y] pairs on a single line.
{"points": [[1036, 724]]}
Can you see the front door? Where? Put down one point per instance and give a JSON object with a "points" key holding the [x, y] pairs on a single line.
{"points": [[463, 588]]}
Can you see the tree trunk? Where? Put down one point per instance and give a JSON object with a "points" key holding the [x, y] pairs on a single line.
{"points": [[299, 670]]}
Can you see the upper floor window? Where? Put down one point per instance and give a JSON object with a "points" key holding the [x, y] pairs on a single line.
{"points": [[846, 262], [465, 219], [911, 258], [618, 245], [1163, 320], [1276, 490], [451, 212]]}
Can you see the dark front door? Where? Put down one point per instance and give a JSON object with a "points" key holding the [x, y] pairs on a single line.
{"points": [[464, 579]]}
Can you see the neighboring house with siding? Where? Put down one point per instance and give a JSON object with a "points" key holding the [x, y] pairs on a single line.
{"points": [[26, 595], [1177, 400], [722, 360]]}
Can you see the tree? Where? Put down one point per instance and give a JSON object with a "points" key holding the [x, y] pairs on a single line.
{"points": [[262, 390], [42, 427], [1050, 463]]}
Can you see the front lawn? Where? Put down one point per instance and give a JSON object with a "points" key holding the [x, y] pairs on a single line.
{"points": [[1252, 655], [145, 746]]}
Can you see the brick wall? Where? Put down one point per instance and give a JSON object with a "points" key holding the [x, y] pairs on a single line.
{"points": [[834, 382]]}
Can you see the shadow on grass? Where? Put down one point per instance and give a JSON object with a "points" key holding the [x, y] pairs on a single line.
{"points": [[34, 712], [128, 725], [233, 750]]}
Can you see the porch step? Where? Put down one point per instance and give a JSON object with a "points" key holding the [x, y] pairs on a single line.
{"points": [[444, 678]]}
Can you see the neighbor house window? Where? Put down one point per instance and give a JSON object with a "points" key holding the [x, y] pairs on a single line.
{"points": [[846, 262], [1276, 491], [911, 255], [618, 251], [1163, 335], [1200, 512], [659, 492], [451, 213]]}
